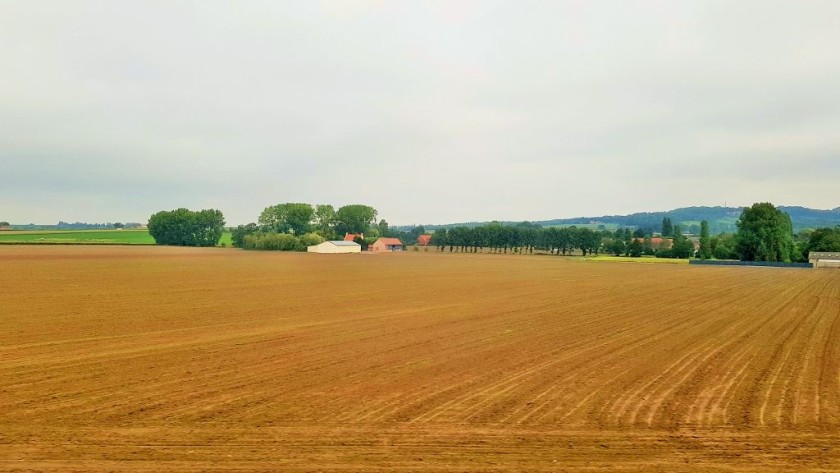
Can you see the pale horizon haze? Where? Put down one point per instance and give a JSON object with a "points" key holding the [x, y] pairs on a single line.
{"points": [[431, 112]]}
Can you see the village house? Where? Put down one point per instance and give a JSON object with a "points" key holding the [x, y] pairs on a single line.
{"points": [[424, 240], [386, 244]]}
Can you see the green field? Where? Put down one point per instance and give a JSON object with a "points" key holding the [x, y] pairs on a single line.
{"points": [[86, 237], [641, 259]]}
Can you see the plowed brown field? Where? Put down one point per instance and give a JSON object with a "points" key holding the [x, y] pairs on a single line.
{"points": [[150, 359]]}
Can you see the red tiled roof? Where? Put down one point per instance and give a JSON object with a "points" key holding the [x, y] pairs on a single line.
{"points": [[352, 236], [390, 241], [655, 240], [424, 239]]}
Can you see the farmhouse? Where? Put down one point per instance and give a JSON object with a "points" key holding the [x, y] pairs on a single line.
{"points": [[657, 242], [386, 244], [335, 247], [424, 240], [352, 236], [821, 259]]}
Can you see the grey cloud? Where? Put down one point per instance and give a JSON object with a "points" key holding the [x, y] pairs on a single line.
{"points": [[429, 111]]}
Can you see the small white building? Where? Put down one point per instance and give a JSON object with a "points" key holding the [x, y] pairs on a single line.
{"points": [[822, 259], [335, 247]]}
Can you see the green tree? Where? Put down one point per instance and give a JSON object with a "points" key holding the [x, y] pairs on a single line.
{"points": [[616, 246], [4, 224], [647, 247], [325, 220], [237, 236], [765, 233], [439, 238], [384, 230], [823, 239], [636, 249], [705, 241], [183, 227], [667, 227], [723, 246], [682, 247], [355, 218], [289, 217]]}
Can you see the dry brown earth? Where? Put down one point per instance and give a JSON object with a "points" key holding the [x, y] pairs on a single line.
{"points": [[151, 359]]}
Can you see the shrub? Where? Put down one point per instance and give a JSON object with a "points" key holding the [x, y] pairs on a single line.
{"points": [[272, 242], [311, 239]]}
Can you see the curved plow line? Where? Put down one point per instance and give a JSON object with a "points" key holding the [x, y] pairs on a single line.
{"points": [[770, 389], [616, 412], [784, 348], [833, 336], [440, 410], [513, 382], [583, 364], [608, 357], [729, 366], [677, 367], [402, 404], [819, 398], [557, 385], [399, 402], [809, 343], [747, 333], [591, 394], [613, 406], [431, 415], [733, 389], [660, 399], [736, 380], [709, 349], [700, 412]]}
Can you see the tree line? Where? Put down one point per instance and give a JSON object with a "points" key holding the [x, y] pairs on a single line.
{"points": [[527, 238], [765, 233]]}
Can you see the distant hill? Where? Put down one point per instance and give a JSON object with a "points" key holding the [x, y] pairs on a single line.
{"points": [[721, 219]]}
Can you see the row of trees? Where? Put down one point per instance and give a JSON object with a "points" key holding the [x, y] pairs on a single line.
{"points": [[521, 238], [765, 233]]}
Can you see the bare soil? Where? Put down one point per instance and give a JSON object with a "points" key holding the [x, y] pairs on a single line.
{"points": [[155, 359]]}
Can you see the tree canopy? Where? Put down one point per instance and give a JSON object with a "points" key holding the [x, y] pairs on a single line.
{"points": [[354, 218], [823, 239], [667, 227], [705, 241], [184, 227], [765, 233], [306, 224], [291, 217]]}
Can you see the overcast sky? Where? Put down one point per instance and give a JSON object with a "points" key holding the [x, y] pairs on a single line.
{"points": [[431, 112]]}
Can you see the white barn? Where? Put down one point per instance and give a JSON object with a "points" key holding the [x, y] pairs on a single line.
{"points": [[335, 247], [822, 259]]}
